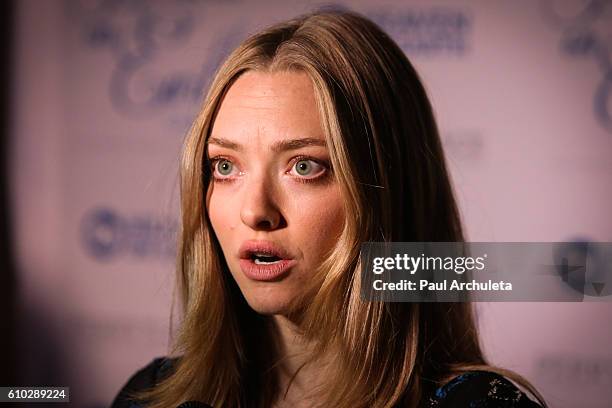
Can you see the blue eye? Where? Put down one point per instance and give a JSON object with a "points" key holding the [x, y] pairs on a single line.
{"points": [[224, 167], [308, 168], [303, 167]]}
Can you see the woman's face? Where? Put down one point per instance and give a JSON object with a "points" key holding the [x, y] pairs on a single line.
{"points": [[273, 202]]}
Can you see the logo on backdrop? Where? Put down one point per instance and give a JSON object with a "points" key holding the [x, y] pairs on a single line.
{"points": [[466, 145], [428, 31], [106, 234], [585, 267], [587, 33], [577, 371], [142, 37]]}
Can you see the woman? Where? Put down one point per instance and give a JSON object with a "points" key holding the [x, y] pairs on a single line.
{"points": [[316, 136]]}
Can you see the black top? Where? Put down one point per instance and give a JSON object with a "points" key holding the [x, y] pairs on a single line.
{"points": [[473, 389]]}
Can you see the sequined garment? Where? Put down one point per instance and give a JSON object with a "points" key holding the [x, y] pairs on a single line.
{"points": [[474, 389], [480, 389]]}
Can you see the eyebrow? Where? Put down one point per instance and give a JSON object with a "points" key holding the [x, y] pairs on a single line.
{"points": [[280, 146]]}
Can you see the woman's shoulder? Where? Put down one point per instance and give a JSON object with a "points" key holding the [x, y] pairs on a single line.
{"points": [[473, 389], [480, 389], [143, 379]]}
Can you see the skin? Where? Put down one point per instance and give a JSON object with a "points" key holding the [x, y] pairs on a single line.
{"points": [[258, 193]]}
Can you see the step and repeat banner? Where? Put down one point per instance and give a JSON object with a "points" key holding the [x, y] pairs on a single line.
{"points": [[105, 91]]}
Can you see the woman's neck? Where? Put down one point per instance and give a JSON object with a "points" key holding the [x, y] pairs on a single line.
{"points": [[298, 374]]}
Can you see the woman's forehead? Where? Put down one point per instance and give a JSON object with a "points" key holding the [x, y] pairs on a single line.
{"points": [[275, 84], [262, 107]]}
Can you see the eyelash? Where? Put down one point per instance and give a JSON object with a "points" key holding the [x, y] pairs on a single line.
{"points": [[213, 161], [321, 163]]}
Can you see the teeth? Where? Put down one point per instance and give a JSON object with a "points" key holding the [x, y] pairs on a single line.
{"points": [[260, 262]]}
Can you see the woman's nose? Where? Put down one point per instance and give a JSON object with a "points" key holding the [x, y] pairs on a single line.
{"points": [[259, 210]]}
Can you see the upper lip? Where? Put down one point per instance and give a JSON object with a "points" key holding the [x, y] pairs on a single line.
{"points": [[250, 247]]}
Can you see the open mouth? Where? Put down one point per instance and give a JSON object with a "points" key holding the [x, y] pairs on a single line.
{"points": [[264, 259]]}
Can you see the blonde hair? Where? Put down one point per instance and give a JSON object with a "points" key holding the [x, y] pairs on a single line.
{"points": [[387, 157]]}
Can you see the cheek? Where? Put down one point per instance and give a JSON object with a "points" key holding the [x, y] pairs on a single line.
{"points": [[320, 218], [220, 209]]}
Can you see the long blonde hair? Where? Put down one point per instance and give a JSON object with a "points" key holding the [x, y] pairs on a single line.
{"points": [[387, 157]]}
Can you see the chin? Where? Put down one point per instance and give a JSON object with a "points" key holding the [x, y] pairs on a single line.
{"points": [[268, 303]]}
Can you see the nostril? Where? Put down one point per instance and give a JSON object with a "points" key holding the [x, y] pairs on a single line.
{"points": [[263, 219], [264, 224]]}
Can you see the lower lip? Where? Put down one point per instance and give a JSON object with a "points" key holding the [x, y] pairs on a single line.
{"points": [[267, 272]]}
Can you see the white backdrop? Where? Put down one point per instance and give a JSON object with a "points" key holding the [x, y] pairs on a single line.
{"points": [[104, 93]]}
